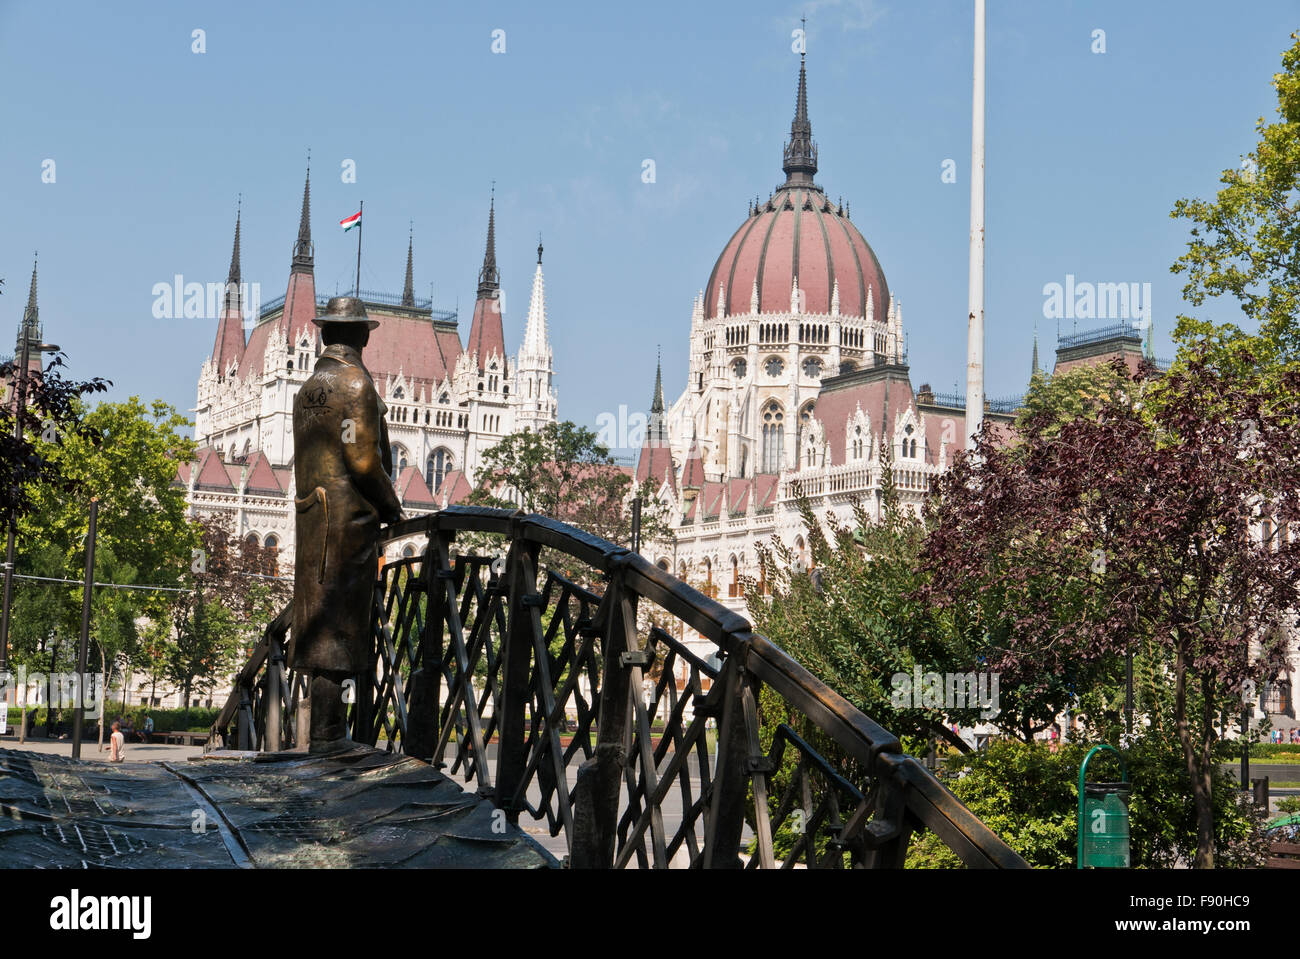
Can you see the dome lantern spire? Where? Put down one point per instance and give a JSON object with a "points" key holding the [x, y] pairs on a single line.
{"points": [[800, 154]]}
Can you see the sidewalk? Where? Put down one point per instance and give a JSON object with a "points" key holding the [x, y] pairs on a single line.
{"points": [[134, 753]]}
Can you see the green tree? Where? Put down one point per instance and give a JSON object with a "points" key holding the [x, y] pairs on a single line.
{"points": [[1135, 527], [206, 645], [1245, 244]]}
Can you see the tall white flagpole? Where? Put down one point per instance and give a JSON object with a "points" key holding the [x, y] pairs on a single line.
{"points": [[975, 333]]}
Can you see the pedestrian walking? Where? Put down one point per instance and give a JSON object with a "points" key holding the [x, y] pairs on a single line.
{"points": [[118, 743]]}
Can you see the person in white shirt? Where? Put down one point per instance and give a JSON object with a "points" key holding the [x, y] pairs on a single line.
{"points": [[118, 742]]}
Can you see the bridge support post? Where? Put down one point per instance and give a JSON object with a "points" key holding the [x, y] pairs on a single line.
{"points": [[595, 814], [246, 732], [274, 730], [727, 804], [302, 735], [512, 755]]}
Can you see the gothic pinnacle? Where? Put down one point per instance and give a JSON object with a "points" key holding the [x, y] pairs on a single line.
{"points": [[408, 291], [303, 249]]}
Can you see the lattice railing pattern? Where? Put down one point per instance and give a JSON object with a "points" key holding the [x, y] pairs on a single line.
{"points": [[561, 702]]}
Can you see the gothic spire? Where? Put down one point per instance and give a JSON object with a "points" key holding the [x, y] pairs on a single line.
{"points": [[408, 291], [233, 299], [489, 278], [303, 249], [536, 345], [800, 153], [1034, 372], [31, 315], [657, 403]]}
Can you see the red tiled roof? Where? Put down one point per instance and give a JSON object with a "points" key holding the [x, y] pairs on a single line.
{"points": [[455, 488], [212, 472], [261, 477], [229, 346], [711, 496], [765, 487], [410, 345], [412, 489], [693, 473], [738, 491], [485, 332], [656, 460]]}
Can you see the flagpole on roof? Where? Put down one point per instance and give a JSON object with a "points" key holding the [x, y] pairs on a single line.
{"points": [[357, 292]]}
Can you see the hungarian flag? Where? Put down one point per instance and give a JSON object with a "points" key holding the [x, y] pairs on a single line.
{"points": [[349, 222]]}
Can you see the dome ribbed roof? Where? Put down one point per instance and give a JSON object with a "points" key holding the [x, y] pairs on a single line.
{"points": [[798, 235]]}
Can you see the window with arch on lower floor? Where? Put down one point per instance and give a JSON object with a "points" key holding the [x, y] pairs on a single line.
{"points": [[437, 468], [773, 437]]}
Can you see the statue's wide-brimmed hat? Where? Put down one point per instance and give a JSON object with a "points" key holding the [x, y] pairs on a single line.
{"points": [[345, 309]]}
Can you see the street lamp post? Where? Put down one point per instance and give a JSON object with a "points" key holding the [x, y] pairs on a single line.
{"points": [[80, 710]]}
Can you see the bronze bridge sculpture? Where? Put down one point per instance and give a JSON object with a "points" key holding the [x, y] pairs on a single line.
{"points": [[476, 650]]}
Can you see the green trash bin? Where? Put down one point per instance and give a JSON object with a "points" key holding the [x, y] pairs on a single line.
{"points": [[1103, 829]]}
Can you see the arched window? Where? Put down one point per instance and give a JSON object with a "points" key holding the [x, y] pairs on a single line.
{"points": [[812, 368], [399, 460], [773, 437], [773, 367], [272, 541], [438, 466], [857, 442], [251, 539], [739, 369], [733, 590], [408, 551]]}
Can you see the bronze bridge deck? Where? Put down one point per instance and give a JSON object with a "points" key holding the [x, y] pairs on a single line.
{"points": [[358, 809]]}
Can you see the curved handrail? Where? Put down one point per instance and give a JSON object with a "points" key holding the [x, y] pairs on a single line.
{"points": [[470, 650]]}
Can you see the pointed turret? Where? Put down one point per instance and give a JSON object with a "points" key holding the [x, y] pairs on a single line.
{"points": [[30, 327], [408, 290], [303, 250], [800, 152], [489, 277], [656, 461], [300, 297], [32, 313], [229, 345], [693, 472], [1035, 370], [485, 333], [536, 342], [534, 395]]}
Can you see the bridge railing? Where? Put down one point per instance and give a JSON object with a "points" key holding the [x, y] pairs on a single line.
{"points": [[580, 709]]}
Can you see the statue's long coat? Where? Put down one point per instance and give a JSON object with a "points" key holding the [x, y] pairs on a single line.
{"points": [[341, 464]]}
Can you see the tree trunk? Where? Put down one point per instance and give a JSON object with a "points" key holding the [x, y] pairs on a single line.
{"points": [[1197, 771]]}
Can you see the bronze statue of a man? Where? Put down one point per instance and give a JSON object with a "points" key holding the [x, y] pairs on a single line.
{"points": [[342, 462]]}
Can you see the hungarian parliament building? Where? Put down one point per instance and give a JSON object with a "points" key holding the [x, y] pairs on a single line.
{"points": [[798, 384], [446, 402]]}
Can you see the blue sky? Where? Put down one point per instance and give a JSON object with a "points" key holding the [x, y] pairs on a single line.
{"points": [[152, 143]]}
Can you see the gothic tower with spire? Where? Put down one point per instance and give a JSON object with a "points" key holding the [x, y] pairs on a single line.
{"points": [[534, 398]]}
